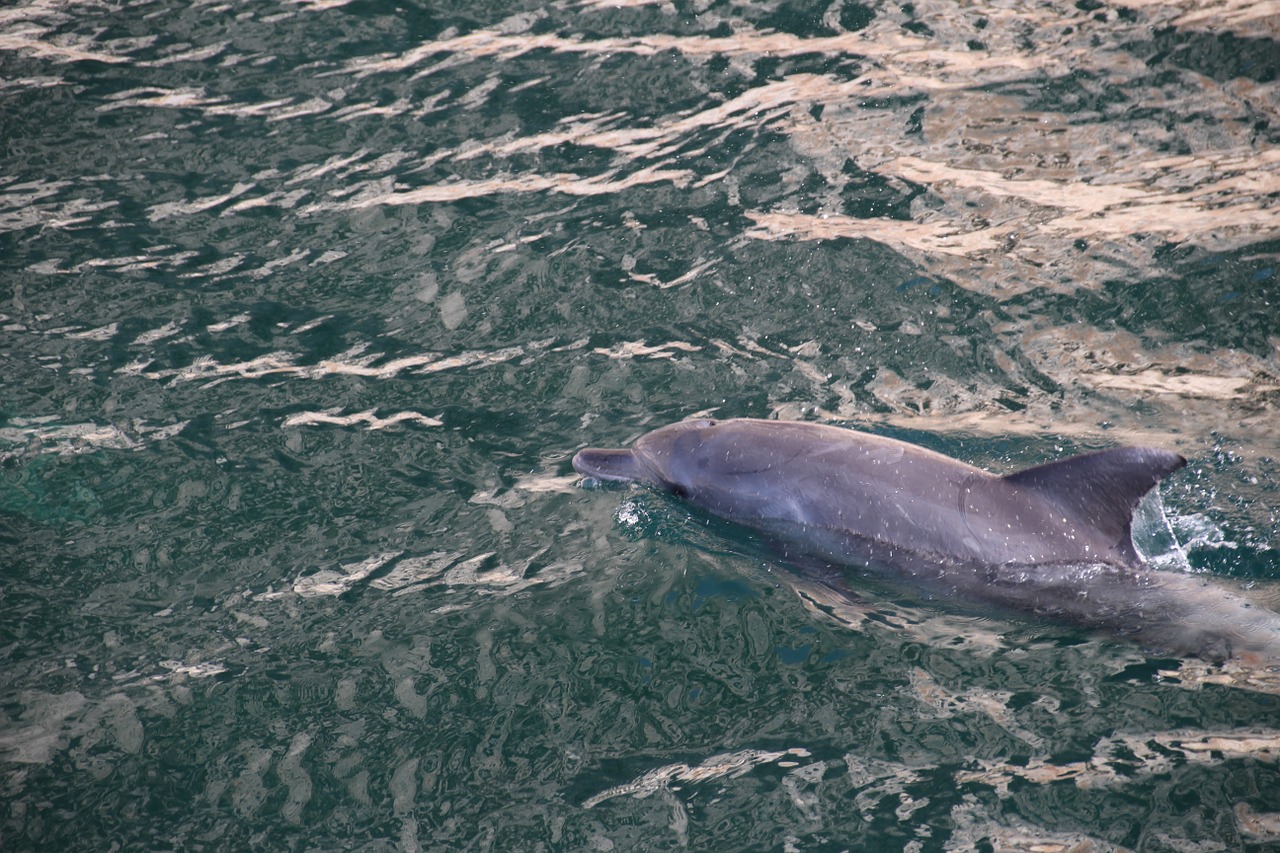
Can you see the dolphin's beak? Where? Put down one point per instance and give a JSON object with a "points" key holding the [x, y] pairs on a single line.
{"points": [[606, 464]]}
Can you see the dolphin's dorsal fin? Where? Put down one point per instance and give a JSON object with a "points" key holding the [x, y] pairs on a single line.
{"points": [[1102, 489]]}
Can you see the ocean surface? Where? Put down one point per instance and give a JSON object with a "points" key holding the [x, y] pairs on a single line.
{"points": [[306, 306]]}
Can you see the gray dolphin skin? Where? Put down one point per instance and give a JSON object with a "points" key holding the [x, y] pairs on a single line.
{"points": [[1054, 540]]}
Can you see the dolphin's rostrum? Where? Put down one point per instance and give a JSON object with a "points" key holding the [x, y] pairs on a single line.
{"points": [[1054, 539]]}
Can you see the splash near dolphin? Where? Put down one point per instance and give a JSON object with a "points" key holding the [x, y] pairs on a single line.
{"points": [[1054, 540]]}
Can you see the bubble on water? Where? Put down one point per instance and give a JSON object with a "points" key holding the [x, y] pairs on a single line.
{"points": [[630, 514], [1199, 532]]}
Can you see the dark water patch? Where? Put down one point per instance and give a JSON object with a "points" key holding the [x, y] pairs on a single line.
{"points": [[1222, 56], [1194, 301]]}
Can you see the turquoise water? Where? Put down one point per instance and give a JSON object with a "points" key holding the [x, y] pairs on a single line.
{"points": [[307, 305]]}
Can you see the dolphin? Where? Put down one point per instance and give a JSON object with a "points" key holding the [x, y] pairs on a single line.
{"points": [[1054, 539]]}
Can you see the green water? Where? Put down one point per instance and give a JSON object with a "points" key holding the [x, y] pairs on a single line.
{"points": [[306, 307]]}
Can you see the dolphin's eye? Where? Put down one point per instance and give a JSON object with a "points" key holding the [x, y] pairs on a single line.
{"points": [[678, 490]]}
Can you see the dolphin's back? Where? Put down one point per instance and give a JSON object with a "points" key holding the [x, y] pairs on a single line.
{"points": [[775, 474]]}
